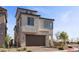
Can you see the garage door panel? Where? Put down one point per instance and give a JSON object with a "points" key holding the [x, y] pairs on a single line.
{"points": [[35, 40]]}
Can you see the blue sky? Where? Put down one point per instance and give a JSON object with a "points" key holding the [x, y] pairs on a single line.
{"points": [[66, 18]]}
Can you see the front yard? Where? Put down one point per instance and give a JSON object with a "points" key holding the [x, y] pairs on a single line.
{"points": [[72, 48], [12, 49]]}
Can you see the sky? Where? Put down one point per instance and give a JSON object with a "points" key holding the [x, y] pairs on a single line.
{"points": [[66, 18]]}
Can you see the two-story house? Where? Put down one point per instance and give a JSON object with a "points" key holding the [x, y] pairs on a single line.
{"points": [[33, 30], [3, 26]]}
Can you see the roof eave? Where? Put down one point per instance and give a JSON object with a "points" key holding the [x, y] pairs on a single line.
{"points": [[30, 14], [47, 19]]}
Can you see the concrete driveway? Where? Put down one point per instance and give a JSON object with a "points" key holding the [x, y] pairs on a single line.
{"points": [[41, 49]]}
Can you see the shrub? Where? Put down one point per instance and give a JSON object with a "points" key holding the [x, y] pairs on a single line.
{"points": [[60, 48], [78, 42], [3, 51], [21, 49], [69, 46], [56, 44], [18, 49], [24, 49], [29, 51]]}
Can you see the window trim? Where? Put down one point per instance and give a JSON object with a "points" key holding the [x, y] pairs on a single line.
{"points": [[30, 23], [48, 25]]}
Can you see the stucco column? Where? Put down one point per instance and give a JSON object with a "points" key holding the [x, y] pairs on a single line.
{"points": [[47, 41], [23, 40], [51, 40]]}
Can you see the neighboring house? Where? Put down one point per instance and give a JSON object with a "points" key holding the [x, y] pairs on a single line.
{"points": [[3, 26], [32, 30]]}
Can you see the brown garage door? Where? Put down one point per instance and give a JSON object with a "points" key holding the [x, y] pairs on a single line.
{"points": [[35, 40]]}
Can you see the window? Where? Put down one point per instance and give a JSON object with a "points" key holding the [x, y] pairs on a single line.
{"points": [[48, 25], [51, 25], [30, 21]]}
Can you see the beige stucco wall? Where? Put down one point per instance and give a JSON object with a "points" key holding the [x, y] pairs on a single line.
{"points": [[2, 19], [23, 39], [2, 29], [27, 28], [38, 25]]}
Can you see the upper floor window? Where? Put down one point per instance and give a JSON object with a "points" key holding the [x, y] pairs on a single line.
{"points": [[48, 25], [30, 21]]}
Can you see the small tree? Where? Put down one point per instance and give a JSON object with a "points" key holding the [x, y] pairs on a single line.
{"points": [[63, 36], [7, 39], [77, 42]]}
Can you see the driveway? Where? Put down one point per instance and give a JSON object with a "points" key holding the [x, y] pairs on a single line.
{"points": [[41, 49]]}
